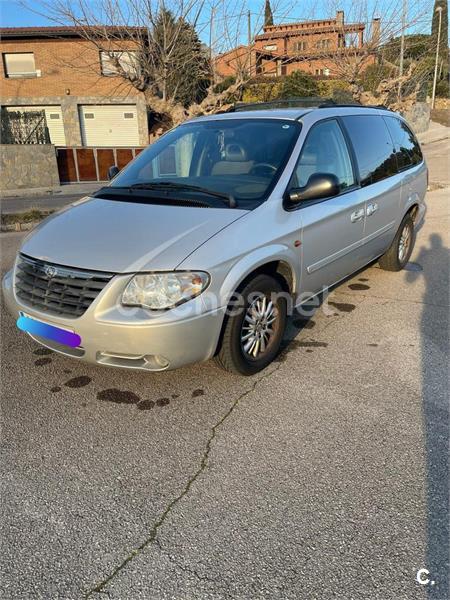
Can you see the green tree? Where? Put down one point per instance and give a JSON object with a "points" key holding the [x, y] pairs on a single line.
{"points": [[181, 66], [416, 47], [268, 15], [299, 84]]}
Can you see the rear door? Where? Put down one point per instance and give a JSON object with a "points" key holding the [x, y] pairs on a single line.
{"points": [[332, 228], [381, 185], [409, 156]]}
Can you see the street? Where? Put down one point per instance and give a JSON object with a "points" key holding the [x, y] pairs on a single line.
{"points": [[325, 476]]}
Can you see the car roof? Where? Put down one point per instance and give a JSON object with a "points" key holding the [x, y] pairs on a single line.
{"points": [[290, 114], [293, 114]]}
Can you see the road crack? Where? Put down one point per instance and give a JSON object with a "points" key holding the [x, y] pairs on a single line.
{"points": [[99, 588]]}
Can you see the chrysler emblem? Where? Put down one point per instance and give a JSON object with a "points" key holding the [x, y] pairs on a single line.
{"points": [[50, 271]]}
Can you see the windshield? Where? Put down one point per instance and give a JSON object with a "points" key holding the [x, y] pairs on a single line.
{"points": [[240, 159]]}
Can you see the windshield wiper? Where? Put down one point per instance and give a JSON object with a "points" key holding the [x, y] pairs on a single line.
{"points": [[172, 185]]}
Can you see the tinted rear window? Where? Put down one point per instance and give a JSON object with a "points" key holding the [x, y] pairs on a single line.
{"points": [[406, 146], [375, 153]]}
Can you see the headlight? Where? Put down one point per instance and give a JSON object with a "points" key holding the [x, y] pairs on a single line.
{"points": [[164, 290]]}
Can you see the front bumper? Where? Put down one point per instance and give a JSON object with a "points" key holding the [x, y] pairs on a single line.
{"points": [[132, 338]]}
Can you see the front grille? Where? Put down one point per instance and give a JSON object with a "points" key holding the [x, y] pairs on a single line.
{"points": [[55, 289]]}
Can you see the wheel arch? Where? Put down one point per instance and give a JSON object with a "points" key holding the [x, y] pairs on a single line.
{"points": [[278, 265]]}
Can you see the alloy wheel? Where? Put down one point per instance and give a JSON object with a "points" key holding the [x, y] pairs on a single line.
{"points": [[259, 327]]}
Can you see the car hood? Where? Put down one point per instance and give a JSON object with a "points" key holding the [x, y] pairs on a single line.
{"points": [[124, 237]]}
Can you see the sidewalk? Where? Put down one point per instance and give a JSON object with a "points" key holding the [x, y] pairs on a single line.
{"points": [[434, 133], [68, 189]]}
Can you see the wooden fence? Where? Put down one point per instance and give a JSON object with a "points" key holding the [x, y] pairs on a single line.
{"points": [[91, 164]]}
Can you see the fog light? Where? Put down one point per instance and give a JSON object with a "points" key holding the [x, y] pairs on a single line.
{"points": [[157, 360]]}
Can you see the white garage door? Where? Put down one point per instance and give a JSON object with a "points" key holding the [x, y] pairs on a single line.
{"points": [[54, 119], [109, 125]]}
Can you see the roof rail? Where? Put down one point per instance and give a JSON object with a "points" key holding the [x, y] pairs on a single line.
{"points": [[332, 104], [306, 102]]}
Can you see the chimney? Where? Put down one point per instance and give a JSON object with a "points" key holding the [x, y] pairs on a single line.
{"points": [[340, 18], [376, 30]]}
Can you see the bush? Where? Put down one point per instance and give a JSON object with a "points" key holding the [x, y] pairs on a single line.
{"points": [[336, 89], [374, 75], [298, 85], [224, 84], [262, 90], [442, 88]]}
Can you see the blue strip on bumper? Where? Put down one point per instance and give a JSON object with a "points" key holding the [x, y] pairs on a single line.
{"points": [[49, 331]]}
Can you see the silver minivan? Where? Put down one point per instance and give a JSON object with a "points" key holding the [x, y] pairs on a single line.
{"points": [[203, 245]]}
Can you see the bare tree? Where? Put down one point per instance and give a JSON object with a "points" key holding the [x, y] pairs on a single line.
{"points": [[150, 45], [358, 49]]}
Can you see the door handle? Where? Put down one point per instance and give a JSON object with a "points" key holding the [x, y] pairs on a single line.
{"points": [[357, 215], [371, 209]]}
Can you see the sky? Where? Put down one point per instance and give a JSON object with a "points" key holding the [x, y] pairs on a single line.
{"points": [[13, 13]]}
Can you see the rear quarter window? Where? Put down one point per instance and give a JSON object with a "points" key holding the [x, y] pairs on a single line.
{"points": [[407, 147], [374, 150]]}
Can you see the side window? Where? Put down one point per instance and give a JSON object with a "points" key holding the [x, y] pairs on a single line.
{"points": [[373, 146], [324, 151], [406, 146]]}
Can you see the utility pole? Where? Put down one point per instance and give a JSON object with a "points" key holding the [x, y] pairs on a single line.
{"points": [[433, 98], [211, 43], [402, 46], [249, 42]]}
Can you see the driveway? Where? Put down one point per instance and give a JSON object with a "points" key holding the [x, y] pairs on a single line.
{"points": [[325, 476]]}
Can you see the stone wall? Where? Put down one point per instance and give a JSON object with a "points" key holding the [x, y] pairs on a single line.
{"points": [[28, 166], [418, 116]]}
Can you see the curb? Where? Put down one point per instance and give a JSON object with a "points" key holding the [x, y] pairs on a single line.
{"points": [[19, 226]]}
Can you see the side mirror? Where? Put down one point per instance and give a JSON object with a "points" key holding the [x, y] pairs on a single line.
{"points": [[112, 171], [320, 185]]}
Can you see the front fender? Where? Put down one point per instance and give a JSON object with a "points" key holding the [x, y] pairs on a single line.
{"points": [[257, 258]]}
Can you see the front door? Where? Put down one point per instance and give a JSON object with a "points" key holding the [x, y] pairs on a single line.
{"points": [[332, 228]]}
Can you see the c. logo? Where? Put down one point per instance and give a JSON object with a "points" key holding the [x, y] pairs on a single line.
{"points": [[422, 576], [50, 271]]}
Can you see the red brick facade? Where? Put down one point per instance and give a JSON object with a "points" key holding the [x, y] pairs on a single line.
{"points": [[67, 65], [311, 46]]}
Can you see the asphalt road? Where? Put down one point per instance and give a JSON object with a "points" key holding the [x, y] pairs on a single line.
{"points": [[44, 202], [326, 476]]}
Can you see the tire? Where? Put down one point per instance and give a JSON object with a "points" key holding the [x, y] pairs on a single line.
{"points": [[397, 255], [253, 321]]}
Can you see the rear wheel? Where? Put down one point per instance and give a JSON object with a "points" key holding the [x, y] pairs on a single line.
{"points": [[398, 253], [253, 334]]}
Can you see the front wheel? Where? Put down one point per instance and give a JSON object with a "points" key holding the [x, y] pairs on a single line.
{"points": [[398, 253], [253, 333]]}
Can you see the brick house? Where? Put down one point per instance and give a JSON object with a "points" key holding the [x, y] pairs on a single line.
{"points": [[310, 46], [56, 70]]}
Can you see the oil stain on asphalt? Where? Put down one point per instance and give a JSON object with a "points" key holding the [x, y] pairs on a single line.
{"points": [[43, 351], [343, 306], [359, 286], [40, 362], [288, 346], [118, 396], [163, 401], [146, 405], [78, 382]]}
